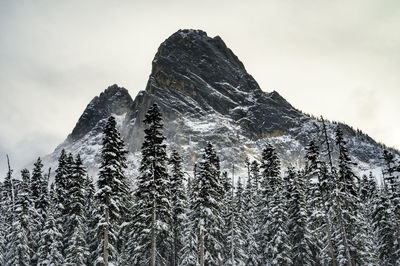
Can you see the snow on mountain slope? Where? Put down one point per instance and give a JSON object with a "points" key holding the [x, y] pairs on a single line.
{"points": [[206, 94]]}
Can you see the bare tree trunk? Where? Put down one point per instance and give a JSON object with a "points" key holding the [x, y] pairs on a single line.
{"points": [[201, 248], [328, 231], [8, 163], [105, 246], [327, 143]]}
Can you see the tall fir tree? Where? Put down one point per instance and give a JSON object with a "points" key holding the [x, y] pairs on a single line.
{"points": [[37, 187], [208, 221], [152, 238], [111, 194], [19, 249], [76, 248], [236, 228], [90, 219], [251, 227], [255, 174], [299, 235], [178, 204], [353, 247], [391, 172], [385, 229], [61, 180], [50, 243], [7, 211], [317, 202], [190, 250], [272, 214]]}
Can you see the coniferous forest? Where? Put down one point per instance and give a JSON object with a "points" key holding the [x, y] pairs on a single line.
{"points": [[319, 214]]}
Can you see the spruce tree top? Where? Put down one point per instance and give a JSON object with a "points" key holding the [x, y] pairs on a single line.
{"points": [[113, 151]]}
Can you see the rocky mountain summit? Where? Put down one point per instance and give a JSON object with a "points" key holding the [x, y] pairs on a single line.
{"points": [[206, 94]]}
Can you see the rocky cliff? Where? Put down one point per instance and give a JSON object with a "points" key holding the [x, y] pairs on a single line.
{"points": [[206, 94]]}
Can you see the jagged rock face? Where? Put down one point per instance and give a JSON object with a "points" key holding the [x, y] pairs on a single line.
{"points": [[114, 100], [206, 94], [205, 76]]}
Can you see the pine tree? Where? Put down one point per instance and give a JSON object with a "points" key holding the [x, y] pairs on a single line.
{"points": [[368, 194], [318, 222], [76, 249], [178, 204], [354, 247], [251, 248], [90, 219], [272, 215], [235, 228], [391, 179], [385, 229], [208, 222], [278, 245], [111, 194], [299, 235], [190, 250], [7, 214], [391, 173], [37, 187], [62, 177], [228, 214], [19, 245], [50, 243], [152, 239], [255, 173], [2, 227]]}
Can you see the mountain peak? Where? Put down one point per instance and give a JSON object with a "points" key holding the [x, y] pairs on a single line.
{"points": [[114, 100], [206, 94], [191, 66], [193, 46], [114, 90]]}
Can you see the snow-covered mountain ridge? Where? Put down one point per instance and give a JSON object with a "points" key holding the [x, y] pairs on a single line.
{"points": [[206, 94]]}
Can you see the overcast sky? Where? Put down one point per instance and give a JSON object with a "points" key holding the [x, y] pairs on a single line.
{"points": [[339, 59]]}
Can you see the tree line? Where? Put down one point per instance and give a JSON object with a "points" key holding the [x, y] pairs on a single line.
{"points": [[320, 214]]}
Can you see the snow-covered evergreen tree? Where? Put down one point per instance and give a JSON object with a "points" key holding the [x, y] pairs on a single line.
{"points": [[235, 228], [90, 219], [18, 249], [317, 198], [299, 235], [251, 248], [37, 187], [151, 241], [190, 249], [385, 229], [353, 244], [391, 173], [7, 215], [111, 194], [61, 197], [255, 174], [208, 221], [50, 244], [272, 212], [178, 204], [76, 250]]}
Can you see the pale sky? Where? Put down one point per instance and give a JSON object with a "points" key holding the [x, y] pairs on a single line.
{"points": [[339, 59]]}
